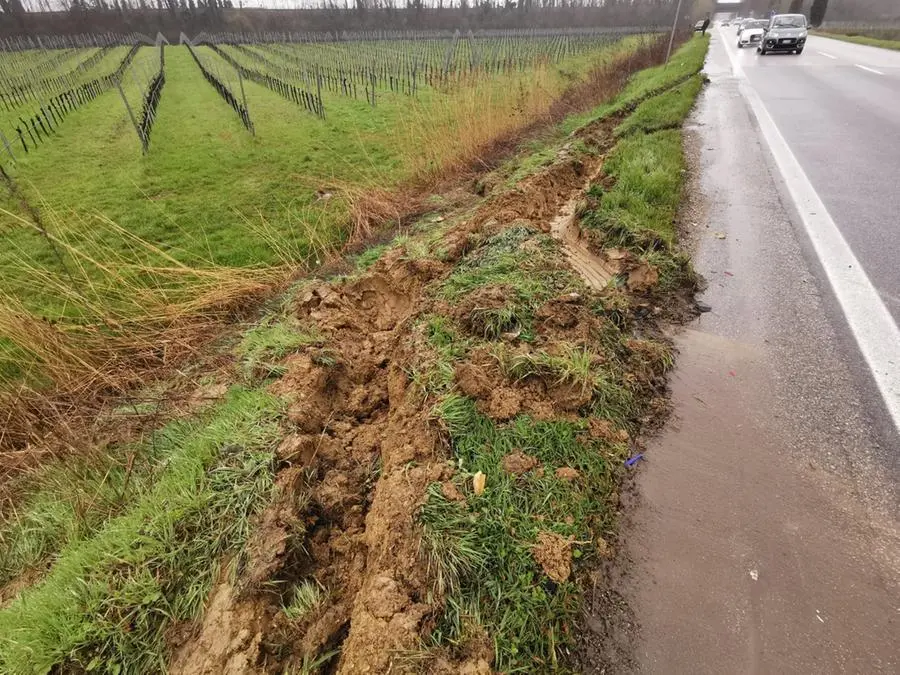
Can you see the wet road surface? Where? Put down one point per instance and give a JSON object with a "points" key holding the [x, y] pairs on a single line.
{"points": [[765, 538], [838, 107]]}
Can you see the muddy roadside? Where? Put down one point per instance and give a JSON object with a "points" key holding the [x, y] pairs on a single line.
{"points": [[762, 536]]}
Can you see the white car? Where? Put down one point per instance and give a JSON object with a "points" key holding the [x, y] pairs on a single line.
{"points": [[751, 33]]}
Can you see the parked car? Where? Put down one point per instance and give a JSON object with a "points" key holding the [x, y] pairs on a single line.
{"points": [[785, 33], [751, 33]]}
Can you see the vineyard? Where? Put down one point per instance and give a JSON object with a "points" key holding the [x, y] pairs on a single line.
{"points": [[232, 151]]}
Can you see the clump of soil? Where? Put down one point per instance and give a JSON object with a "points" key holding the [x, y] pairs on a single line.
{"points": [[605, 430], [518, 463], [553, 553], [567, 473], [229, 640]]}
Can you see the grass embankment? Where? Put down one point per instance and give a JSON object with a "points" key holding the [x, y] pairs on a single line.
{"points": [[109, 597], [133, 546], [891, 39], [487, 544]]}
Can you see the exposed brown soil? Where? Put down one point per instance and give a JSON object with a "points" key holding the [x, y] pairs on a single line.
{"points": [[363, 451], [229, 641], [553, 553], [518, 463]]}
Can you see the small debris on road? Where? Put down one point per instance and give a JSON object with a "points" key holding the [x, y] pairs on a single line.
{"points": [[719, 235], [703, 308], [631, 461], [754, 574]]}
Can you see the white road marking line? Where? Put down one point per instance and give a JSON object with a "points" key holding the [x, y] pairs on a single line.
{"points": [[873, 328], [828, 55], [736, 69], [871, 70]]}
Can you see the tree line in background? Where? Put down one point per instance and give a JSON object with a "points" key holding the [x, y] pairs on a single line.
{"points": [[170, 17], [819, 10]]}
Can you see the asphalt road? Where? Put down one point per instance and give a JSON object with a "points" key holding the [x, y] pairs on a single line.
{"points": [[838, 107], [765, 537]]}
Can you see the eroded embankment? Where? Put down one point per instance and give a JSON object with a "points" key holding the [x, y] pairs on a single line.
{"points": [[488, 313]]}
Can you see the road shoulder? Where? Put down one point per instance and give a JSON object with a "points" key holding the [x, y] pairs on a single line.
{"points": [[762, 539]]}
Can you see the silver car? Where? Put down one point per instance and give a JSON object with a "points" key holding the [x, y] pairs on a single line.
{"points": [[786, 33]]}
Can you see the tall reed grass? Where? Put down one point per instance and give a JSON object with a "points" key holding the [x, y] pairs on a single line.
{"points": [[114, 309]]}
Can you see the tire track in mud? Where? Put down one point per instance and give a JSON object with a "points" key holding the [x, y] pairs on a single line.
{"points": [[391, 609], [564, 228]]}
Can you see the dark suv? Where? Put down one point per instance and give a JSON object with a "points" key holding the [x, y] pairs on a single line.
{"points": [[786, 33]]}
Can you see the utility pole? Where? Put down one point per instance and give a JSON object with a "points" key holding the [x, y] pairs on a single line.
{"points": [[672, 36]]}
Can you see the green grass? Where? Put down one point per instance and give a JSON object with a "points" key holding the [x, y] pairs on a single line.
{"points": [[480, 550], [69, 500], [862, 39], [307, 597], [520, 270], [369, 257], [109, 599], [647, 165], [666, 111], [640, 208], [572, 364], [686, 61], [445, 346], [270, 341]]}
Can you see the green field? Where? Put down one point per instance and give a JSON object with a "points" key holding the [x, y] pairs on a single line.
{"points": [[98, 234], [885, 39], [207, 184]]}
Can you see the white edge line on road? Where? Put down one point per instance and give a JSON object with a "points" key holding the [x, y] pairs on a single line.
{"points": [[871, 70], [873, 327], [828, 55], [736, 68]]}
